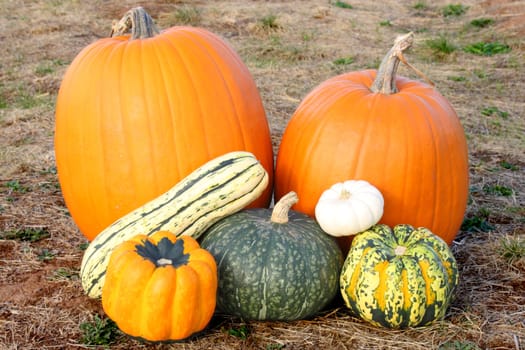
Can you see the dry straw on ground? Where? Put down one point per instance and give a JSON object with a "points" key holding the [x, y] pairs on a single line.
{"points": [[289, 46]]}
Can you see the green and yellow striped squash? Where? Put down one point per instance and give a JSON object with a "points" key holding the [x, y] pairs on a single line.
{"points": [[398, 278], [219, 188]]}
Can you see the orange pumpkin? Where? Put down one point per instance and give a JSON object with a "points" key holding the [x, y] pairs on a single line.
{"points": [[137, 113], [160, 288], [400, 135]]}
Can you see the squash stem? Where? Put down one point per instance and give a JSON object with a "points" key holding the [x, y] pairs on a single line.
{"points": [[164, 261], [385, 81], [400, 250], [136, 21], [345, 194], [282, 208]]}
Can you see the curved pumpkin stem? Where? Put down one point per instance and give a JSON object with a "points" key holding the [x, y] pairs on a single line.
{"points": [[138, 22], [385, 81], [282, 207]]}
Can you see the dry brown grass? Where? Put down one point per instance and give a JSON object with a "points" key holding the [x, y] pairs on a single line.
{"points": [[41, 302]]}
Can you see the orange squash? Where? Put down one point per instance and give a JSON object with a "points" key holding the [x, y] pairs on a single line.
{"points": [[138, 112], [160, 288], [400, 135]]}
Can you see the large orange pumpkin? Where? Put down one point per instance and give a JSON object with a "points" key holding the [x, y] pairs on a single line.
{"points": [[137, 113], [400, 135]]}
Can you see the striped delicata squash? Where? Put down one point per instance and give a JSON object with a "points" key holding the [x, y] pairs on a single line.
{"points": [[217, 189]]}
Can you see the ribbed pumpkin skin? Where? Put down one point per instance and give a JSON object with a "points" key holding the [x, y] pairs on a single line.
{"points": [[160, 303], [398, 291], [133, 117], [272, 271], [410, 145]]}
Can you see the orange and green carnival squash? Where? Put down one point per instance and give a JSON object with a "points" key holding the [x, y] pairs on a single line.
{"points": [[400, 134], [137, 113], [398, 278], [160, 288]]}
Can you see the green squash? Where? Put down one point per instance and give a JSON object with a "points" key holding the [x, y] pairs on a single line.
{"points": [[398, 278], [275, 265]]}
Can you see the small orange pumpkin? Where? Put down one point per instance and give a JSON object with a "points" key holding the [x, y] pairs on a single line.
{"points": [[401, 135], [137, 113], [160, 288]]}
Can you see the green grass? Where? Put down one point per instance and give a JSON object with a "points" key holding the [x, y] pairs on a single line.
{"points": [[23, 96], [188, 15], [44, 69], [481, 22], [441, 47], [516, 211], [16, 186], [48, 67], [457, 78], [101, 331], [344, 61], [454, 10], [64, 273], [385, 23], [343, 5], [492, 110], [480, 73], [477, 222], [458, 345], [509, 166], [512, 249], [46, 255], [420, 5], [498, 190], [29, 234], [26, 100], [307, 37], [269, 23], [372, 64], [3, 101], [241, 332], [487, 48]]}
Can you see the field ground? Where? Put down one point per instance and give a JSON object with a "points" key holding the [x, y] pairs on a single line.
{"points": [[290, 47]]}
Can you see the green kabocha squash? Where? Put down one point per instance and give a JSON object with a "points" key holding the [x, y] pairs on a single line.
{"points": [[273, 265], [398, 278]]}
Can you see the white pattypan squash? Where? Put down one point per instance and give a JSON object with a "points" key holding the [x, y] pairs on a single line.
{"points": [[349, 207]]}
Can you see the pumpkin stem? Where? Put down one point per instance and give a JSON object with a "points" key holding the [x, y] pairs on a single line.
{"points": [[385, 81], [282, 207], [138, 22]]}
